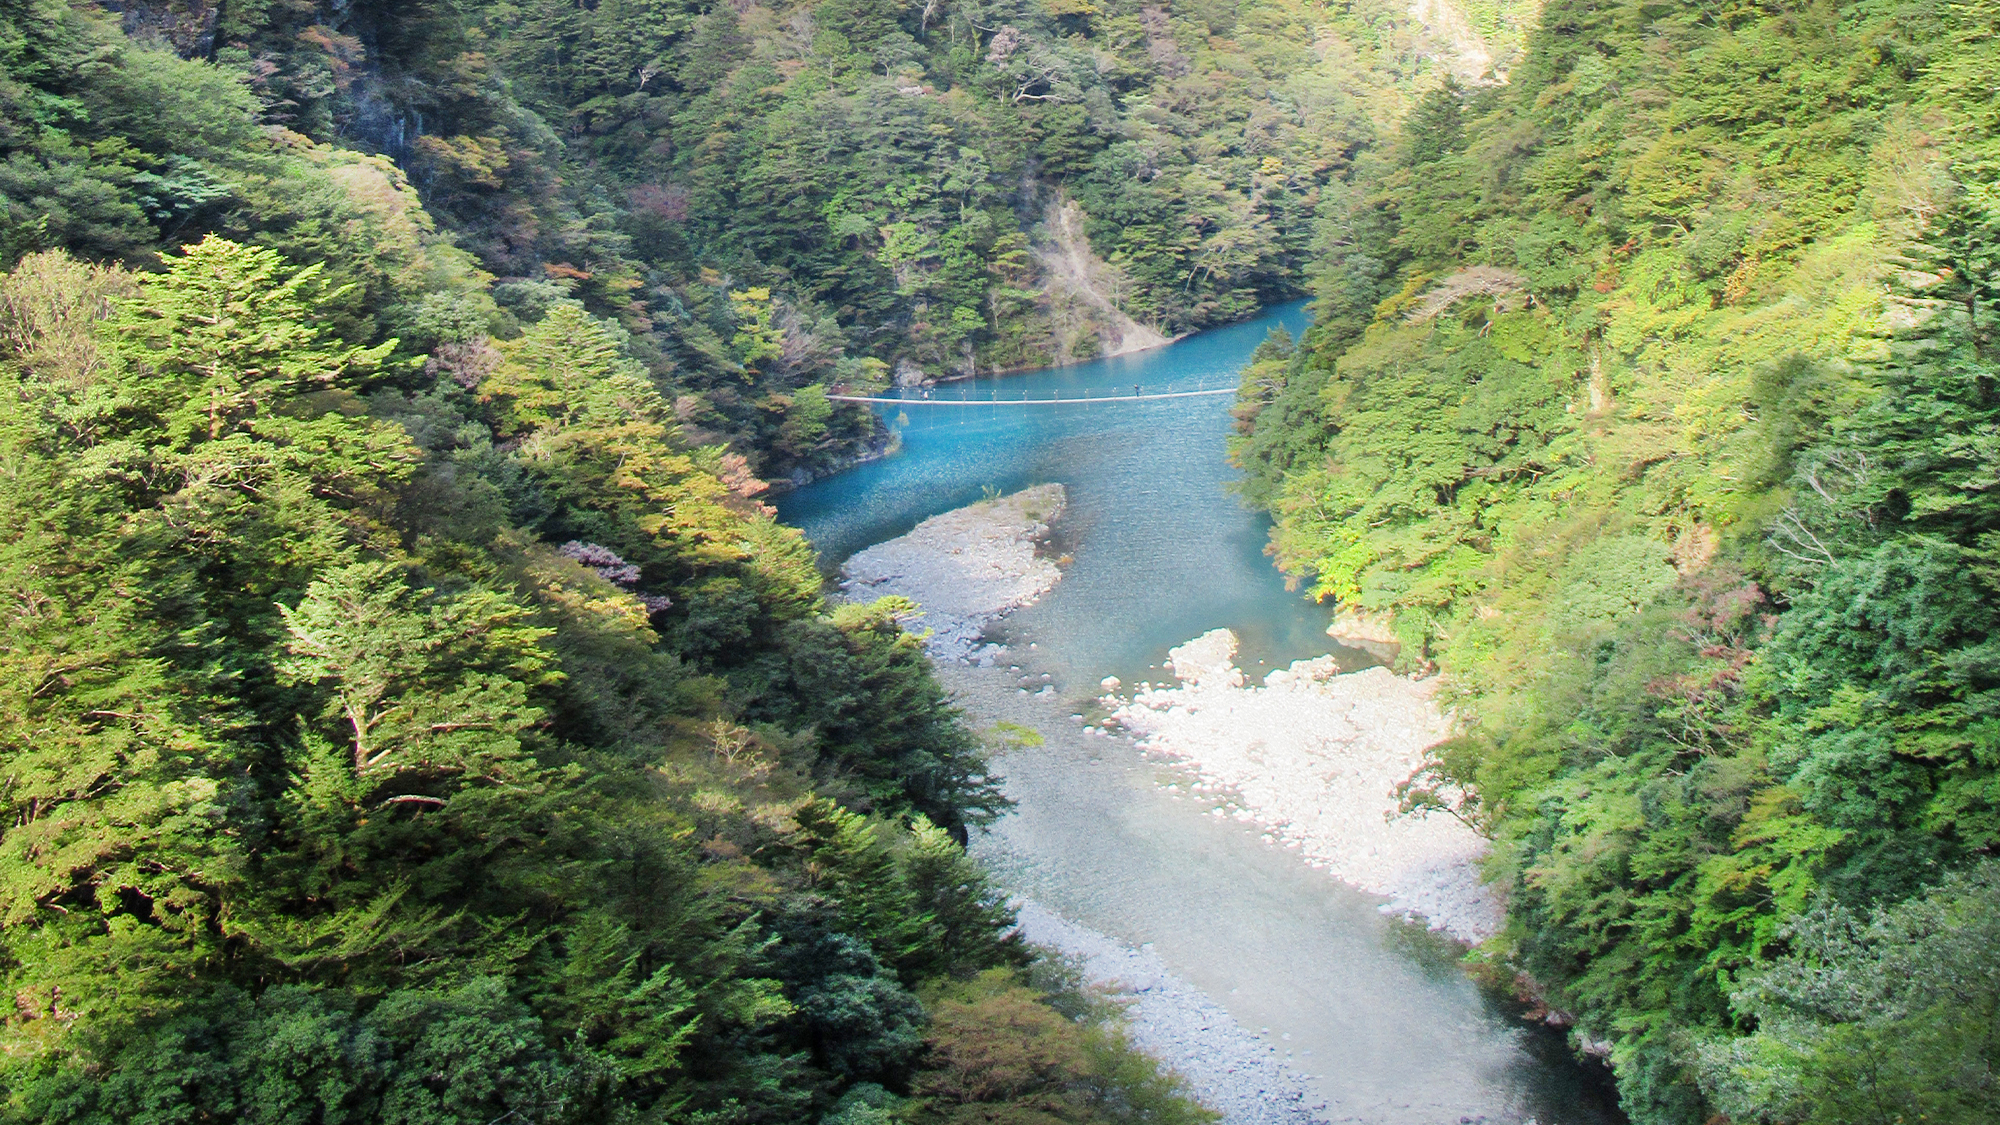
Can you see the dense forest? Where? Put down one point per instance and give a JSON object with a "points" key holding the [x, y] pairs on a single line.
{"points": [[1654, 398], [385, 749], [771, 200], [411, 711]]}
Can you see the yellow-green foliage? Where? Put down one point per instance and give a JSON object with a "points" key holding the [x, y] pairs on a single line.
{"points": [[1652, 395], [382, 747]]}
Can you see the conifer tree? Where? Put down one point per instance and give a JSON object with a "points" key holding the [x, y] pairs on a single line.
{"points": [[417, 681]]}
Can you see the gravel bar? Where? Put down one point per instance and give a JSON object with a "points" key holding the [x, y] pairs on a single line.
{"points": [[1227, 1067]]}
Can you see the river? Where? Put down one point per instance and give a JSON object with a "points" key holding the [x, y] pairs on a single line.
{"points": [[1373, 1010]]}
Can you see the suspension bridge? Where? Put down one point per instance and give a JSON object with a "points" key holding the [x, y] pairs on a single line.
{"points": [[1052, 400]]}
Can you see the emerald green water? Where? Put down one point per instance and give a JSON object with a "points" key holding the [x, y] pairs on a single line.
{"points": [[1162, 551], [1373, 1009]]}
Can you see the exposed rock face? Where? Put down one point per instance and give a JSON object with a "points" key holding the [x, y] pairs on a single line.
{"points": [[188, 26], [966, 569], [908, 374], [1372, 633], [1465, 53], [1315, 755]]}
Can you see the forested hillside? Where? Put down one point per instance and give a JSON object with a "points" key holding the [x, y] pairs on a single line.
{"points": [[770, 198], [381, 748], [410, 713], [1654, 397]]}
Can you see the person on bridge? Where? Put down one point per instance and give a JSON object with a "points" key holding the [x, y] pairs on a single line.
{"points": [[1135, 390]]}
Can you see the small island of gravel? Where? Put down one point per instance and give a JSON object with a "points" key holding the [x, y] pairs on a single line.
{"points": [[965, 569]]}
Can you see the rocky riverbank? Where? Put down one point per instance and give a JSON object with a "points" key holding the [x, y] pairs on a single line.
{"points": [[1313, 755], [966, 569], [1226, 1067]]}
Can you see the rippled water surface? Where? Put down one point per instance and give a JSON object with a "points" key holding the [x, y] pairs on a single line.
{"points": [[1374, 1010], [1162, 551]]}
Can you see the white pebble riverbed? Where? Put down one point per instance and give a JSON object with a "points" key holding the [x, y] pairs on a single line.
{"points": [[1312, 755], [966, 569], [1226, 1066]]}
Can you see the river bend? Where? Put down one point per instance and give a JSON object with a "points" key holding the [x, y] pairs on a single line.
{"points": [[1373, 1010]]}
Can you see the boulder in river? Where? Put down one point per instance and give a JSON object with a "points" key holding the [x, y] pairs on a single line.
{"points": [[1207, 661], [1372, 632]]}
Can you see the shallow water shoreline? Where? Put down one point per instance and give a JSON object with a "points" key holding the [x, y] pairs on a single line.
{"points": [[1313, 756], [965, 569], [1322, 752], [1226, 1067]]}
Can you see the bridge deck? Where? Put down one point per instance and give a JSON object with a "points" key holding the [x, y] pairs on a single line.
{"points": [[1030, 401]]}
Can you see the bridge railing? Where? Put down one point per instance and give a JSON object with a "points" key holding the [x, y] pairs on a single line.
{"points": [[1054, 399]]}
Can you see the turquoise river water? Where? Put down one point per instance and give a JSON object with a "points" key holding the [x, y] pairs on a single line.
{"points": [[1374, 1010]]}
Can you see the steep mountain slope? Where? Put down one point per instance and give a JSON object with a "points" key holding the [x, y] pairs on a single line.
{"points": [[403, 719], [774, 198], [1652, 399]]}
